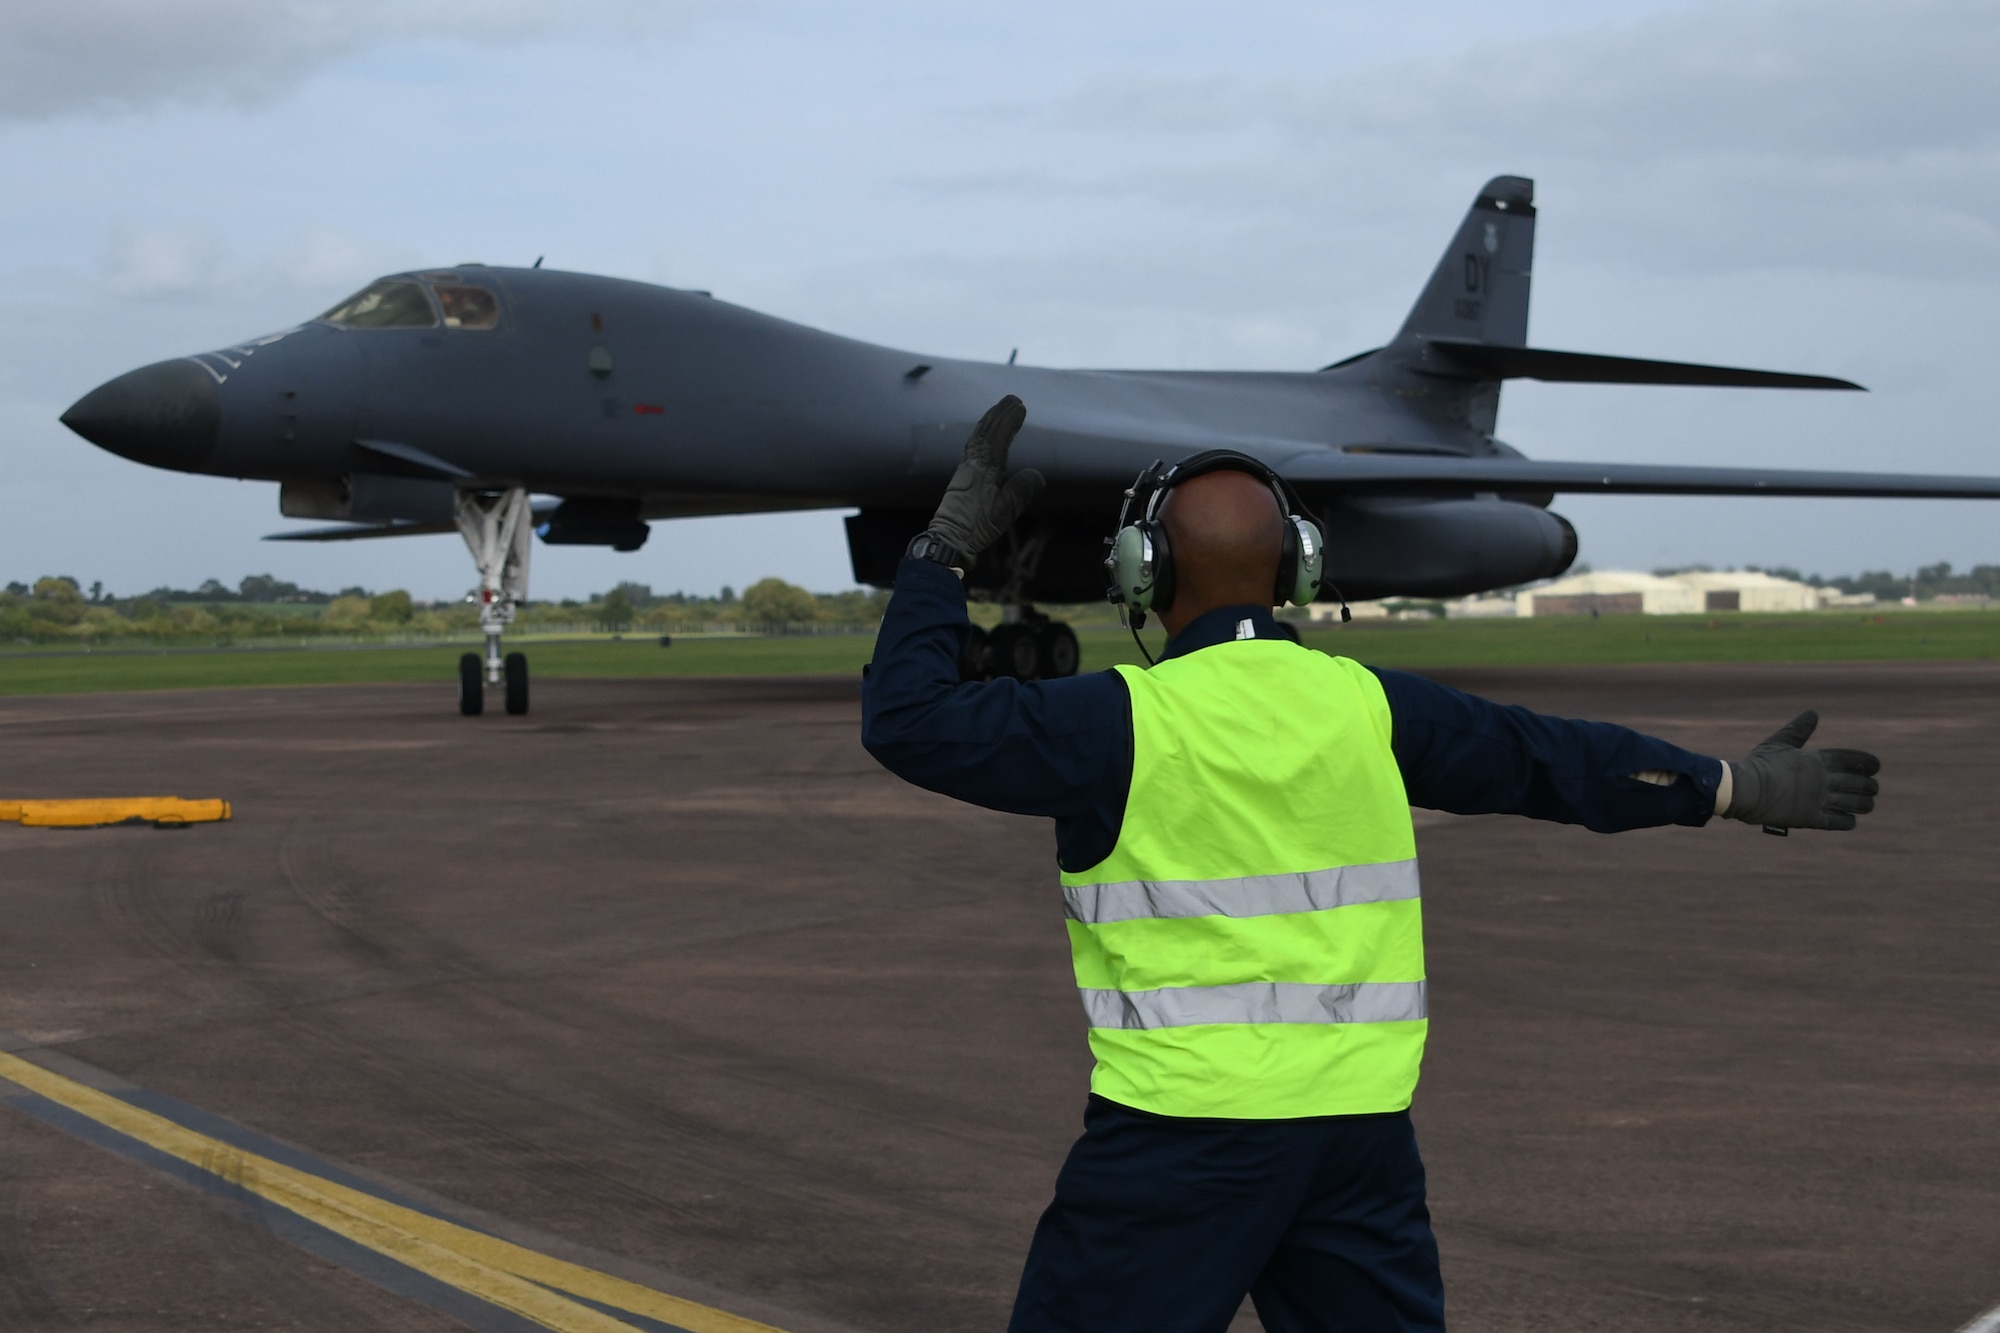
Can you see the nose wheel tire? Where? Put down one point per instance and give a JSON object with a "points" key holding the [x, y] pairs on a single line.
{"points": [[517, 683], [471, 685]]}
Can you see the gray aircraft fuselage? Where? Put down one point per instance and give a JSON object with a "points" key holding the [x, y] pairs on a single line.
{"points": [[634, 402]]}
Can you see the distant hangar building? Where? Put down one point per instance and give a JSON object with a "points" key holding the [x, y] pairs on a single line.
{"points": [[1626, 593]]}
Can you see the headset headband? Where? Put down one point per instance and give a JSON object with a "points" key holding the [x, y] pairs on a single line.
{"points": [[1157, 481], [1139, 557]]}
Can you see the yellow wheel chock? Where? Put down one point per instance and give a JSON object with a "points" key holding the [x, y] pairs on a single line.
{"points": [[159, 811]]}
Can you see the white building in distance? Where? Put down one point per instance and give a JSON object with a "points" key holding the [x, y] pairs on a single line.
{"points": [[1622, 592]]}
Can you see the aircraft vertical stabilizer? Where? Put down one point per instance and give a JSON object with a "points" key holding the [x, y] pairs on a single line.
{"points": [[1471, 323], [1479, 290]]}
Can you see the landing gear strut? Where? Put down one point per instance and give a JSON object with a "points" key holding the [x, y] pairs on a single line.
{"points": [[498, 528]]}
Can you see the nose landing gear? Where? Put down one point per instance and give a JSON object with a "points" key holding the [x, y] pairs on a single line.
{"points": [[472, 685], [498, 529]]}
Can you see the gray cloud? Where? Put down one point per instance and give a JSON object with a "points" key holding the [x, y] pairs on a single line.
{"points": [[149, 265], [1853, 77], [118, 55], [1859, 134], [193, 265]]}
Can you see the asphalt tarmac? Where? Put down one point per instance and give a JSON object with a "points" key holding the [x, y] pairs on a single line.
{"points": [[671, 979]]}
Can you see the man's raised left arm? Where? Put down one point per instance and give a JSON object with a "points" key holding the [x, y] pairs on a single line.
{"points": [[1467, 755]]}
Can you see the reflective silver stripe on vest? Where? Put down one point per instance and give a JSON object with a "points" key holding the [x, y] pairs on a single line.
{"points": [[1252, 895], [1257, 1002]]}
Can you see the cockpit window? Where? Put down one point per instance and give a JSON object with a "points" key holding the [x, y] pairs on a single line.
{"points": [[389, 304], [467, 307]]}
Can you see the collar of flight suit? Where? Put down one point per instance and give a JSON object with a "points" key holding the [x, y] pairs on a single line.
{"points": [[1224, 624]]}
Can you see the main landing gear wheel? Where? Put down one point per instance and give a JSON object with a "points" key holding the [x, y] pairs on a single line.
{"points": [[1015, 651], [1030, 648], [517, 683], [471, 686], [1059, 650], [975, 663]]}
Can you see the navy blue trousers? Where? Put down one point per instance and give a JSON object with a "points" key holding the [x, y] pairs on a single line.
{"points": [[1160, 1225]]}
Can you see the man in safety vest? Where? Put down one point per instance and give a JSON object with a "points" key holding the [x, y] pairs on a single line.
{"points": [[1240, 880]]}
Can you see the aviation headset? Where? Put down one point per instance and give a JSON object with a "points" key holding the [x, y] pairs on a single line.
{"points": [[1141, 561]]}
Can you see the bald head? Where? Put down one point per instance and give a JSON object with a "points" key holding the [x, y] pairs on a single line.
{"points": [[1227, 533]]}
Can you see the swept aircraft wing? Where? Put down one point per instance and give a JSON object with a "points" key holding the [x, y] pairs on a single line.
{"points": [[1387, 472]]}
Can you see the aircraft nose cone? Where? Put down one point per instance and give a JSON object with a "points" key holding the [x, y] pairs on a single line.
{"points": [[166, 415]]}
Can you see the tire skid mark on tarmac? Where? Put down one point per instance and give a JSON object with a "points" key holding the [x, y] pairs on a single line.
{"points": [[443, 1094], [440, 1124], [415, 1250], [312, 873], [380, 947], [441, 1097], [316, 878], [219, 924], [130, 897]]}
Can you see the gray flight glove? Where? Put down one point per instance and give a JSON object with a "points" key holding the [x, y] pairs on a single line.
{"points": [[982, 501], [1782, 785]]}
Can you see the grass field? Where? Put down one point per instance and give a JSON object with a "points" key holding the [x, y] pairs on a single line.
{"points": [[1829, 636]]}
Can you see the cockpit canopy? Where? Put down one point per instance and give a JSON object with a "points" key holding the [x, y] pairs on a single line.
{"points": [[406, 303], [389, 304], [466, 306]]}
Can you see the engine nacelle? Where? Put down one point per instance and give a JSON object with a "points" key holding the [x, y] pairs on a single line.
{"points": [[1441, 548], [1375, 548]]}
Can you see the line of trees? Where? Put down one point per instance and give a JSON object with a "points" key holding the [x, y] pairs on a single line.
{"points": [[56, 609], [767, 603]]}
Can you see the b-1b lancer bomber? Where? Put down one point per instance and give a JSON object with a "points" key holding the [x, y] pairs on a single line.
{"points": [[453, 398]]}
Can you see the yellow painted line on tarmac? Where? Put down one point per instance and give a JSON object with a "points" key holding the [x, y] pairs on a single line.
{"points": [[95, 813], [525, 1282]]}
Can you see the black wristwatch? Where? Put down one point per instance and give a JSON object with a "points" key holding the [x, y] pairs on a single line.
{"points": [[930, 546]]}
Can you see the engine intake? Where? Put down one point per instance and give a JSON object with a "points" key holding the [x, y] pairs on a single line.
{"points": [[596, 522]]}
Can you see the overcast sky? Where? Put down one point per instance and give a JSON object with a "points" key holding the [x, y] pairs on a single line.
{"points": [[1794, 186]]}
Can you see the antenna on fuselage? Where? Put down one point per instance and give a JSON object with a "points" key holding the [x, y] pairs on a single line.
{"points": [[1011, 355], [538, 261]]}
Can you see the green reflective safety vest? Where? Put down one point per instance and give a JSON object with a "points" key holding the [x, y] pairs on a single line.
{"points": [[1253, 946]]}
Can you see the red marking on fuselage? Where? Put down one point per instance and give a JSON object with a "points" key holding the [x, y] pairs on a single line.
{"points": [[648, 409]]}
